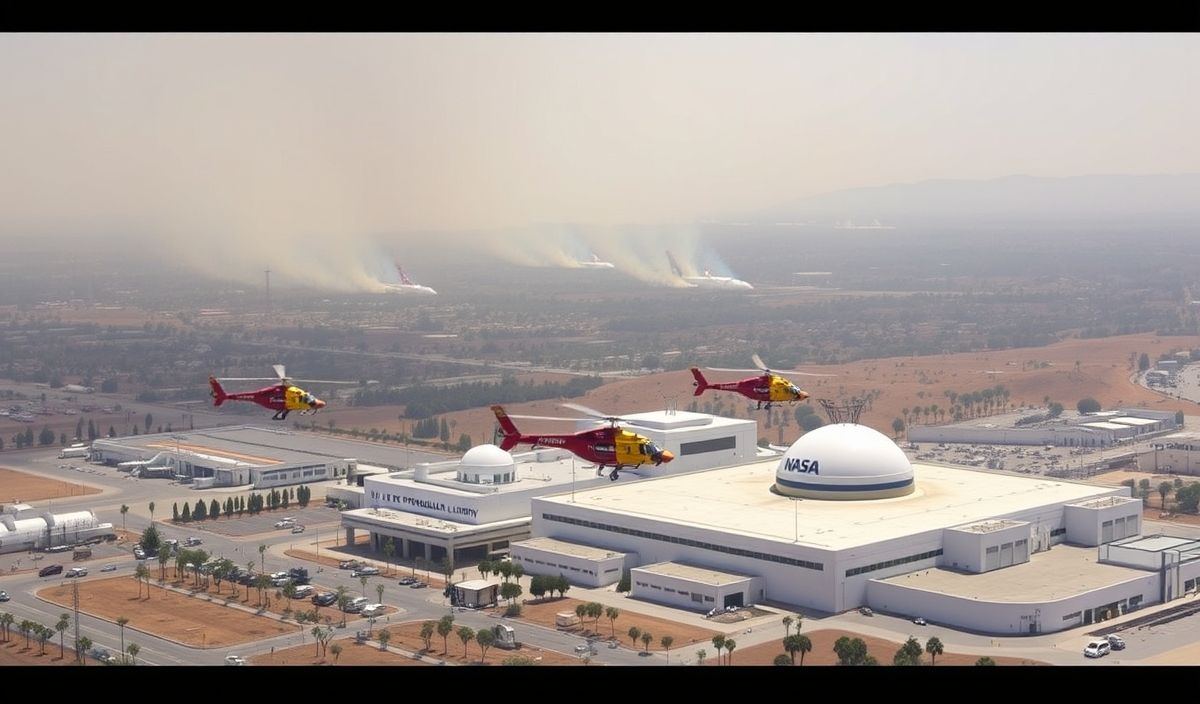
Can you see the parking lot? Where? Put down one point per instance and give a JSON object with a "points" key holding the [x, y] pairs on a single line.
{"points": [[264, 522]]}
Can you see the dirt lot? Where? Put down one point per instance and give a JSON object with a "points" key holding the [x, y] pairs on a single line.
{"points": [[19, 487], [685, 636], [14, 651], [167, 614], [1030, 374], [353, 653], [822, 652]]}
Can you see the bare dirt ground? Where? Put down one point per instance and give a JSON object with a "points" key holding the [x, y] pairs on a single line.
{"points": [[408, 636], [15, 652], [1030, 374], [167, 614], [822, 652], [353, 653], [20, 487], [543, 613]]}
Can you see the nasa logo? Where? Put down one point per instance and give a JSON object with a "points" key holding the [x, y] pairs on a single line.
{"points": [[795, 464]]}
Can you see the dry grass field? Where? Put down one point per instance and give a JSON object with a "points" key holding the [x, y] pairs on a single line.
{"points": [[20, 487], [1065, 372]]}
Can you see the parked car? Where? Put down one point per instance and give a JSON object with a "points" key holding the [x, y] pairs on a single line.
{"points": [[110, 567], [920, 621], [356, 605], [49, 570], [297, 529], [193, 541], [405, 581], [102, 655], [417, 585], [235, 660], [349, 565], [368, 570], [372, 610], [4, 595], [285, 522], [76, 572], [1097, 649], [304, 591], [324, 598], [1116, 642]]}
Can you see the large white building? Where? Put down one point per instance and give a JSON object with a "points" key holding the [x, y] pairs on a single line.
{"points": [[1101, 429], [831, 527], [476, 506], [23, 527]]}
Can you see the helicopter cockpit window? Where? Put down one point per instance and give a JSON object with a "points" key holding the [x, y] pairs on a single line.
{"points": [[652, 449]]}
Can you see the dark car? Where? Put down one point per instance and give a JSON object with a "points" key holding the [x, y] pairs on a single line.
{"points": [[49, 570], [324, 598]]}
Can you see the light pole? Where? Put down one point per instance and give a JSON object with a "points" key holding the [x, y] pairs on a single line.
{"points": [[796, 517], [572, 479]]}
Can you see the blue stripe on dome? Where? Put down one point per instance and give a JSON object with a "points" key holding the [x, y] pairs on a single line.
{"points": [[810, 486]]}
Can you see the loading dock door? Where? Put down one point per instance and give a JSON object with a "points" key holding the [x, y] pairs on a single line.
{"points": [[735, 599]]}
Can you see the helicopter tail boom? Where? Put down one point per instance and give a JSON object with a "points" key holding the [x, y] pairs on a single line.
{"points": [[218, 393], [701, 383], [511, 435]]}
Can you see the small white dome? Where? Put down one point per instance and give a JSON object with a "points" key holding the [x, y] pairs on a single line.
{"points": [[844, 461], [486, 457]]}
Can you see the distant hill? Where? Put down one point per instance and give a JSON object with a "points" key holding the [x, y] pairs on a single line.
{"points": [[1016, 198]]}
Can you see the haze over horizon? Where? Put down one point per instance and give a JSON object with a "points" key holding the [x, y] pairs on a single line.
{"points": [[324, 155]]}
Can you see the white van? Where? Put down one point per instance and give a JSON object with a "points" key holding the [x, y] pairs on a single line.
{"points": [[1097, 649]]}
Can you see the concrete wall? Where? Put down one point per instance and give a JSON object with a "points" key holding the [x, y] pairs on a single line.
{"points": [[690, 594], [1007, 617], [970, 550], [1091, 526], [578, 570]]}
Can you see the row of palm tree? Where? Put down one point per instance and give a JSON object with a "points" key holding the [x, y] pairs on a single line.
{"points": [[33, 629]]}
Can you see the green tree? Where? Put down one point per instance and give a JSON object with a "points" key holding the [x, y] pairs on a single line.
{"points": [[389, 551], [142, 574], [537, 586], [612, 613], [986, 661], [646, 638], [124, 510], [934, 647], [1143, 362], [262, 558], [82, 648], [730, 644], [133, 651], [787, 626], [427, 630], [200, 512], [214, 510], [152, 512], [466, 635], [1164, 488], [486, 638], [909, 653], [701, 654], [151, 541], [384, 636], [336, 649], [626, 584], [175, 512], [484, 568], [666, 642], [148, 420], [445, 627], [718, 642], [64, 622], [510, 591], [1088, 405], [1144, 487], [187, 514], [46, 437], [851, 651], [121, 621], [634, 633], [782, 660]]}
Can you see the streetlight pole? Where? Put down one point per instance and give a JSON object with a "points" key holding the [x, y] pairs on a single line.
{"points": [[796, 518]]}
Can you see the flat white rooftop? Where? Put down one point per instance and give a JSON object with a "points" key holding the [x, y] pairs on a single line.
{"points": [[586, 552], [703, 575], [1157, 542], [1105, 425], [552, 476], [1061, 572], [739, 500], [1127, 420], [386, 517]]}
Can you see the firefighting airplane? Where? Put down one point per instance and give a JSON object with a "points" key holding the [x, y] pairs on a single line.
{"points": [[708, 280], [406, 285]]}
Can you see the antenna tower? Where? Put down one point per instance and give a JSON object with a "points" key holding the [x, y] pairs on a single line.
{"points": [[844, 411]]}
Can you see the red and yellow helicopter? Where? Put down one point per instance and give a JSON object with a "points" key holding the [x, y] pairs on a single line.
{"points": [[769, 388], [613, 445], [283, 397]]}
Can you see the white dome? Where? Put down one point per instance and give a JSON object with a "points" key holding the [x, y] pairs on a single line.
{"points": [[486, 457], [844, 461]]}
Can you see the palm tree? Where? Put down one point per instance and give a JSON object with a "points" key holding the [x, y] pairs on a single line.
{"points": [[43, 634], [6, 620], [262, 558], [316, 634], [612, 613], [646, 638], [142, 573], [151, 512], [124, 510], [427, 630], [379, 591], [634, 633], [163, 556], [718, 642], [934, 647], [444, 627], [337, 651], [666, 642], [81, 649], [730, 644], [466, 635], [787, 627], [389, 550], [121, 621], [64, 622], [133, 651], [701, 654], [362, 579], [26, 627], [804, 645]]}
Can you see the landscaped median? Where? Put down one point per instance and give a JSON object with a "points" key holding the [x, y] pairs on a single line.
{"points": [[167, 613]]}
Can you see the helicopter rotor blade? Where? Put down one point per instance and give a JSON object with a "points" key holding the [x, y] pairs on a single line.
{"points": [[246, 378], [323, 381], [758, 362], [726, 369], [280, 370], [591, 412], [559, 418]]}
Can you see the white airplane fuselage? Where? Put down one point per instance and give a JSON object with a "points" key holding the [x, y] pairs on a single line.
{"points": [[409, 288], [722, 282]]}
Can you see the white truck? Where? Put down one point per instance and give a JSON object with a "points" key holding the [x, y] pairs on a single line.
{"points": [[74, 451]]}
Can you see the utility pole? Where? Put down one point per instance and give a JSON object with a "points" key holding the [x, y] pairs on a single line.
{"points": [[75, 603]]}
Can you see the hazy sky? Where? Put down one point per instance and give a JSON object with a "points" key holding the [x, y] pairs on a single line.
{"points": [[282, 138]]}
